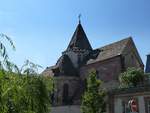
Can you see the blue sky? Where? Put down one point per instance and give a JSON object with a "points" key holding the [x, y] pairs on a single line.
{"points": [[42, 29]]}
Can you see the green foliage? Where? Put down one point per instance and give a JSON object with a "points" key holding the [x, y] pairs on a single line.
{"points": [[132, 77], [24, 94], [22, 90], [93, 98]]}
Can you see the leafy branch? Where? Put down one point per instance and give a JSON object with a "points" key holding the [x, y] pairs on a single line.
{"points": [[30, 68], [5, 63]]}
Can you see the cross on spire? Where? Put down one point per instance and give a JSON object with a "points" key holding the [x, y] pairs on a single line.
{"points": [[79, 17], [79, 39]]}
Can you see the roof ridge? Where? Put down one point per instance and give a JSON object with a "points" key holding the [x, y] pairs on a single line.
{"points": [[111, 50], [113, 43]]}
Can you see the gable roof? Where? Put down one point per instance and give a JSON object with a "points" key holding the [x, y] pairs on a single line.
{"points": [[111, 50], [79, 40]]}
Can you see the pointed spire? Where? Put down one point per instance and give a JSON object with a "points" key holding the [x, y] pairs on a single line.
{"points": [[79, 40]]}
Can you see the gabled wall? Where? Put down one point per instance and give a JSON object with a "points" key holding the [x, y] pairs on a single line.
{"points": [[108, 71], [131, 56]]}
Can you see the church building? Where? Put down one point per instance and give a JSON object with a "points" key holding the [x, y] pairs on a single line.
{"points": [[79, 58]]}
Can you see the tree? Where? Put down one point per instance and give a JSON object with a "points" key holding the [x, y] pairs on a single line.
{"points": [[132, 77], [22, 94], [93, 100]]}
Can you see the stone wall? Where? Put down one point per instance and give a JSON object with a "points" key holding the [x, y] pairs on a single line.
{"points": [[108, 71], [66, 109], [74, 87], [131, 56]]}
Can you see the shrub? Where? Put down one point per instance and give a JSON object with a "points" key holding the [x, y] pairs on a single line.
{"points": [[132, 77]]}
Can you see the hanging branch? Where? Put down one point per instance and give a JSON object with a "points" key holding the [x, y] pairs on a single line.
{"points": [[4, 60], [30, 68]]}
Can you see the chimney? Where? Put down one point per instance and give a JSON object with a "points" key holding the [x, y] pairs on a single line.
{"points": [[147, 69]]}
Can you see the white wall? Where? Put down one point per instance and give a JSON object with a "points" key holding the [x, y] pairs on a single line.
{"points": [[141, 104], [118, 105]]}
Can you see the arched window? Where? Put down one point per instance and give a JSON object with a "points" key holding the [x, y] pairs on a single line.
{"points": [[65, 94]]}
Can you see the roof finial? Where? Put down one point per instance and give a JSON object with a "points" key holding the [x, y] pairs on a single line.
{"points": [[79, 18]]}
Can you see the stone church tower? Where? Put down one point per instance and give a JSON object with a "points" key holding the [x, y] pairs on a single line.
{"points": [[72, 68], [147, 69]]}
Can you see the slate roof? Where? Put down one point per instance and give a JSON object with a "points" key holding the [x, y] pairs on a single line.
{"points": [[79, 40], [48, 71], [111, 50], [108, 51]]}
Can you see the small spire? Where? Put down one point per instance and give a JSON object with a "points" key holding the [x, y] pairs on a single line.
{"points": [[79, 39], [79, 17]]}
